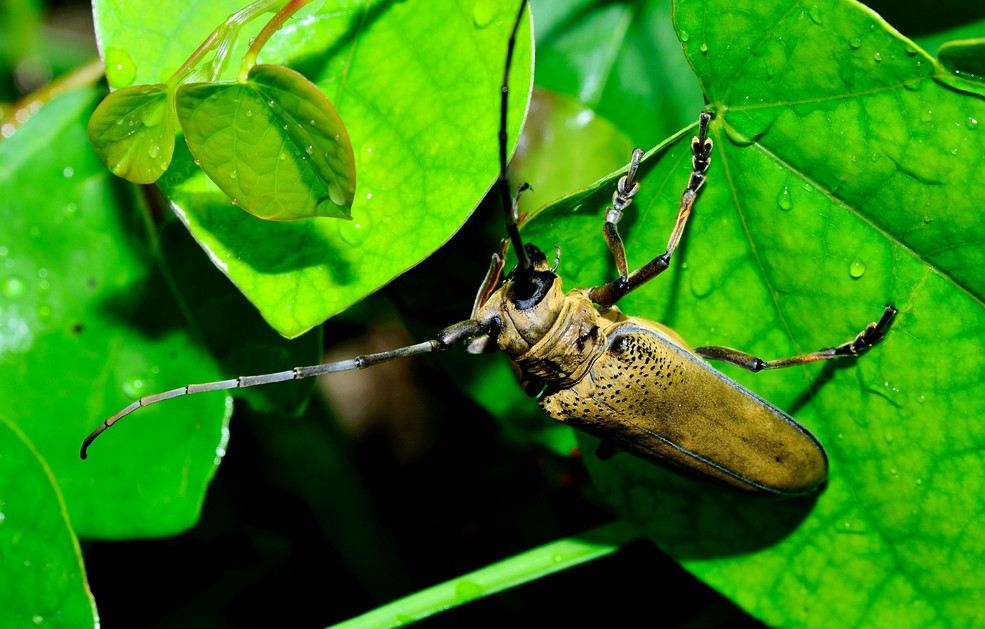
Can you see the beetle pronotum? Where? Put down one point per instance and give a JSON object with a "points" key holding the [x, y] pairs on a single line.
{"points": [[633, 382]]}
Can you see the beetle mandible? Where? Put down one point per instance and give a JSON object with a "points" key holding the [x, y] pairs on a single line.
{"points": [[632, 382]]}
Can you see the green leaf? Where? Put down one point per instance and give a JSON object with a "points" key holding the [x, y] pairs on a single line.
{"points": [[831, 192], [423, 121], [275, 144], [88, 324], [44, 580], [132, 130], [564, 145], [964, 57], [533, 564], [620, 59]]}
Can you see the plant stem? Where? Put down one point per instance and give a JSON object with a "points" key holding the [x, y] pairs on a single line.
{"points": [[250, 59], [222, 40]]}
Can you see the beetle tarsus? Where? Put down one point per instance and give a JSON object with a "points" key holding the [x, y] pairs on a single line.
{"points": [[608, 294]]}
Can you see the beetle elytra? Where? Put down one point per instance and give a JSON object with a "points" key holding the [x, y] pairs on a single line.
{"points": [[632, 382]]}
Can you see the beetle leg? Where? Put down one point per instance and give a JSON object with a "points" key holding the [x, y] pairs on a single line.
{"points": [[626, 189], [872, 334], [492, 278], [610, 293]]}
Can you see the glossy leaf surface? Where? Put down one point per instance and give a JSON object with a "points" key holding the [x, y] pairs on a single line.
{"points": [[274, 144], [965, 57], [831, 192], [132, 130], [44, 581], [88, 323], [418, 88]]}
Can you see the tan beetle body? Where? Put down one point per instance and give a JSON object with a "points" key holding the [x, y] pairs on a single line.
{"points": [[634, 383], [637, 384]]}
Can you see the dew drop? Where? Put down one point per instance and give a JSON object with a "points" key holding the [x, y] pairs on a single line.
{"points": [[701, 284], [249, 113], [815, 13], [927, 115], [233, 174], [336, 194], [888, 436], [467, 589], [910, 50], [13, 287], [851, 526], [354, 233], [856, 43], [38, 619], [282, 156], [877, 57], [857, 268], [485, 12], [366, 156], [44, 312], [310, 149], [704, 49], [133, 387], [685, 36], [120, 69], [783, 199], [971, 123], [68, 172], [954, 151], [152, 151]]}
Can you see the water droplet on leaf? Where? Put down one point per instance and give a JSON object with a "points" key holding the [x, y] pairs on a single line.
{"points": [[484, 13], [857, 268], [13, 287], [120, 68], [783, 199]]}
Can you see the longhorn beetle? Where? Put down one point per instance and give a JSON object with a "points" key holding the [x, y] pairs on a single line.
{"points": [[632, 382]]}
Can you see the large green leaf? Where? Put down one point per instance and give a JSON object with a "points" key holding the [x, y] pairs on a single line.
{"points": [[832, 191], [417, 86], [44, 581], [87, 325], [621, 59]]}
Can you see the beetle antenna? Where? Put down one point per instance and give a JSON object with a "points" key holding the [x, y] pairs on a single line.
{"points": [[525, 265], [451, 335]]}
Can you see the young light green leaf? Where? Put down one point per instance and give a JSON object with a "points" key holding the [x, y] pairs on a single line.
{"points": [[132, 131], [275, 144]]}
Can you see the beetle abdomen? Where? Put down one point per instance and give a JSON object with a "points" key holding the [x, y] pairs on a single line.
{"points": [[661, 402]]}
